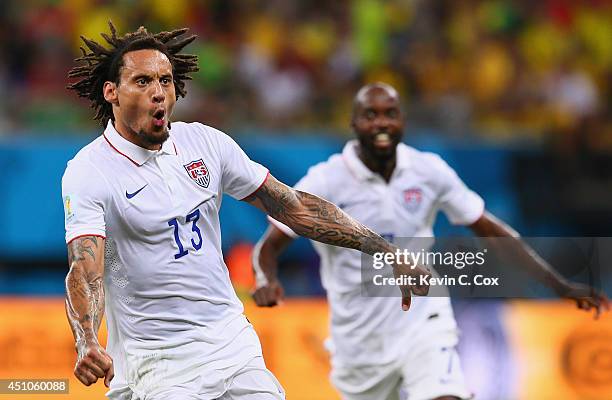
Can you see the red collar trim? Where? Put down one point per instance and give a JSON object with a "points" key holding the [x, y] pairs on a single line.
{"points": [[111, 145]]}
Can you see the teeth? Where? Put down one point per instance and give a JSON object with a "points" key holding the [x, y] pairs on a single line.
{"points": [[383, 136]]}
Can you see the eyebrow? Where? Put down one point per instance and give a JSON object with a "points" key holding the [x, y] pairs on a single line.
{"points": [[365, 110], [149, 76], [141, 75]]}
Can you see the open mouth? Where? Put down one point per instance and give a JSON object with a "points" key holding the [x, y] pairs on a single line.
{"points": [[382, 139], [158, 117]]}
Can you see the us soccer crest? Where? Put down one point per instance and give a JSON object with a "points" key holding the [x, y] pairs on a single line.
{"points": [[413, 198], [198, 171]]}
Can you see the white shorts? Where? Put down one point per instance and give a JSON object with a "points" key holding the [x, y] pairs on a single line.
{"points": [[233, 371], [254, 381], [429, 369]]}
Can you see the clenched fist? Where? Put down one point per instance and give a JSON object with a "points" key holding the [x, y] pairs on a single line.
{"points": [[92, 363], [269, 295]]}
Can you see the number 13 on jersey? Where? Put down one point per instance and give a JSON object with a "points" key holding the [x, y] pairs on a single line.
{"points": [[197, 243]]}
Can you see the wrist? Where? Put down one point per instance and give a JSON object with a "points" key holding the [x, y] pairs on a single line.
{"points": [[86, 340], [264, 279], [271, 281]]}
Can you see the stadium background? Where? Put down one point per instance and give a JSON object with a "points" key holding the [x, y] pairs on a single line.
{"points": [[515, 95]]}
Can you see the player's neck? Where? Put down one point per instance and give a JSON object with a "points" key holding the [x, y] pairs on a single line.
{"points": [[383, 167]]}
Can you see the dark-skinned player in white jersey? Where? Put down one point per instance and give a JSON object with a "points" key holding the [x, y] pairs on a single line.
{"points": [[377, 352]]}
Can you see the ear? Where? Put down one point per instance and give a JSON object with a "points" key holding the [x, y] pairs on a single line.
{"points": [[110, 92]]}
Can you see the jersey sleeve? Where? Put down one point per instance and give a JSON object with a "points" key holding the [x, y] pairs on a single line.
{"points": [[314, 183], [84, 194], [461, 205], [241, 176]]}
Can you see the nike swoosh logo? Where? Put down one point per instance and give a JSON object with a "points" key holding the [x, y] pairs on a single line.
{"points": [[130, 195]]}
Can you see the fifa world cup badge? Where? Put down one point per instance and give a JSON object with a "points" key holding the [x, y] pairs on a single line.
{"points": [[69, 214]]}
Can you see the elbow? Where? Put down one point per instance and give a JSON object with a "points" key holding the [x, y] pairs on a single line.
{"points": [[76, 278], [72, 278], [297, 220], [74, 269]]}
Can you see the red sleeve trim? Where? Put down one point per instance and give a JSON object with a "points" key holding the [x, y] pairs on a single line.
{"points": [[258, 187], [87, 234]]}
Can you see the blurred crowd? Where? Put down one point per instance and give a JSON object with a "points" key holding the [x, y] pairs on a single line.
{"points": [[498, 68]]}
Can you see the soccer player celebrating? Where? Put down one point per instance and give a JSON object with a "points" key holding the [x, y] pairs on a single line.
{"points": [[142, 226], [377, 351]]}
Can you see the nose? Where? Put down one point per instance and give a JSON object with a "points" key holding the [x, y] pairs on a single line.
{"points": [[382, 122], [158, 95]]}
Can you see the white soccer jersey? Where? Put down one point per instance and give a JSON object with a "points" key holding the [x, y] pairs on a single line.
{"points": [[165, 281], [371, 330]]}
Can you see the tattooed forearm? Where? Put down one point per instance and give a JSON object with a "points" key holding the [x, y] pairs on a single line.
{"points": [[79, 248], [317, 219], [84, 287]]}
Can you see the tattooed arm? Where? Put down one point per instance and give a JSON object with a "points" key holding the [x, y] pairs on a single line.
{"points": [[85, 308], [317, 219], [314, 218]]}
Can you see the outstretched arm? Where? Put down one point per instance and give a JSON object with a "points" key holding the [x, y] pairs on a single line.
{"points": [[317, 219], [586, 297], [85, 308]]}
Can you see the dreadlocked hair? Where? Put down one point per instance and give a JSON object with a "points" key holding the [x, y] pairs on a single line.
{"points": [[100, 64]]}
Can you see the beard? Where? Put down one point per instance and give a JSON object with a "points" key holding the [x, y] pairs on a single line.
{"points": [[375, 153], [153, 138]]}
